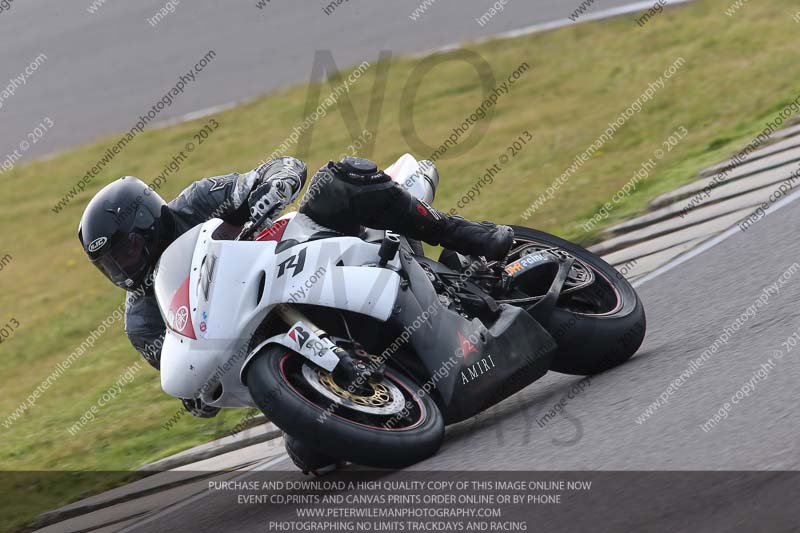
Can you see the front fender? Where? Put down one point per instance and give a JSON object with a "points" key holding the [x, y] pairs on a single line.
{"points": [[301, 339]]}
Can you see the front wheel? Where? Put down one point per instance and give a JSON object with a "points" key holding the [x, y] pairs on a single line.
{"points": [[391, 425], [598, 326]]}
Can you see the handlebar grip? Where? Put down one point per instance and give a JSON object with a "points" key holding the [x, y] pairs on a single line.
{"points": [[250, 227]]}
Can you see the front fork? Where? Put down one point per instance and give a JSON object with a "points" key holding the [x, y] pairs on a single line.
{"points": [[351, 370]]}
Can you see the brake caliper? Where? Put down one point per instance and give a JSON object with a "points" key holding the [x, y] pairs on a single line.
{"points": [[356, 369]]}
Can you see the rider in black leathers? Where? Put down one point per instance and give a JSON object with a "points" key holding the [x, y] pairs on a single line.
{"points": [[126, 227]]}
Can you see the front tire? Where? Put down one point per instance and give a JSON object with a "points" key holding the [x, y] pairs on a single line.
{"points": [[275, 379], [592, 342]]}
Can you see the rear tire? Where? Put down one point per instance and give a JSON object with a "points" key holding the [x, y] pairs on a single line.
{"points": [[272, 379], [592, 343]]}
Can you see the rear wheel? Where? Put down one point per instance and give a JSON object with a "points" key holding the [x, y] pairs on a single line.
{"points": [[598, 325], [389, 424]]}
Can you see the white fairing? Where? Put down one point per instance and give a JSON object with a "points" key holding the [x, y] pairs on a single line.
{"points": [[233, 285]]}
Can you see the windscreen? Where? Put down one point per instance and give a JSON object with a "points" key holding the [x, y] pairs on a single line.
{"points": [[173, 269]]}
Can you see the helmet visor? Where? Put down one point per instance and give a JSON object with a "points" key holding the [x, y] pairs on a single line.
{"points": [[127, 263]]}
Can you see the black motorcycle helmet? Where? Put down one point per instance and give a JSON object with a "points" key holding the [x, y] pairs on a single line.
{"points": [[124, 229]]}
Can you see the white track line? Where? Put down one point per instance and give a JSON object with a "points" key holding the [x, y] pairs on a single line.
{"points": [[710, 243], [169, 510], [555, 24]]}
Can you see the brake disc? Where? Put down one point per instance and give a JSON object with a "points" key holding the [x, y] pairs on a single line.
{"points": [[386, 398]]}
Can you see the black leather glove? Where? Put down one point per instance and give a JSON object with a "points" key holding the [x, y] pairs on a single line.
{"points": [[280, 180], [266, 201]]}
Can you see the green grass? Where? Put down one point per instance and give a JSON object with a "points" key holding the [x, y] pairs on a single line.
{"points": [[739, 71]]}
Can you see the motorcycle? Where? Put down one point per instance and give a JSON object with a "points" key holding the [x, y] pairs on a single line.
{"points": [[366, 349]]}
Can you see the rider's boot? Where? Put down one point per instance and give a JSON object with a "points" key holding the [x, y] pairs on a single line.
{"points": [[477, 238], [309, 460], [456, 233]]}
